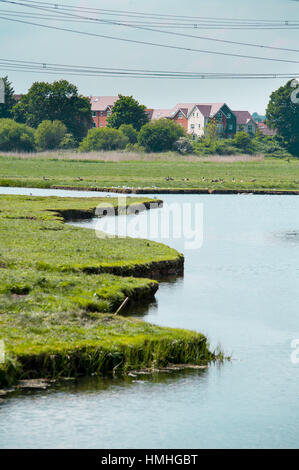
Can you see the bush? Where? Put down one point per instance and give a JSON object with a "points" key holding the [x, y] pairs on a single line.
{"points": [[243, 142], [49, 135], [129, 131], [206, 146], [160, 135], [224, 147], [105, 138], [16, 137], [68, 142], [272, 146], [183, 146], [135, 148]]}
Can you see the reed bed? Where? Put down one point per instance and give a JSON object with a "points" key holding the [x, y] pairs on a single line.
{"points": [[121, 156]]}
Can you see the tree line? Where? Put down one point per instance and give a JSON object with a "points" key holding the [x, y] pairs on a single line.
{"points": [[55, 116]]}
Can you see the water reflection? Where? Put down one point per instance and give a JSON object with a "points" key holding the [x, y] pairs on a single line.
{"points": [[101, 384]]}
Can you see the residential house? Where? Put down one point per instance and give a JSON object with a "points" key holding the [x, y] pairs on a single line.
{"points": [[245, 122], [219, 113], [195, 117], [101, 107], [265, 130]]}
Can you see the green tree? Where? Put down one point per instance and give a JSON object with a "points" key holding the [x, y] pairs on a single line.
{"points": [[9, 100], [243, 142], [129, 131], [283, 114], [55, 101], [127, 110], [68, 142], [160, 135], [103, 139], [49, 135], [16, 137], [210, 131]]}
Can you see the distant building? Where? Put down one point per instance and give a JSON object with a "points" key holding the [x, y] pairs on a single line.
{"points": [[258, 117], [245, 122], [194, 117], [101, 108], [265, 130]]}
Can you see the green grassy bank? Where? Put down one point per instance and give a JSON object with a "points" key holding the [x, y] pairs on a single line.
{"points": [[58, 291], [181, 173]]}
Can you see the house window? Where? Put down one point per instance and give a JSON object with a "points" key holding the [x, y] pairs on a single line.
{"points": [[108, 112], [230, 127], [101, 113], [219, 117], [192, 126], [250, 128], [94, 124], [101, 124], [94, 114], [180, 115], [229, 115], [198, 126]]}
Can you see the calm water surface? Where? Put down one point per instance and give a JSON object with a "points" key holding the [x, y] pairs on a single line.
{"points": [[240, 289]]}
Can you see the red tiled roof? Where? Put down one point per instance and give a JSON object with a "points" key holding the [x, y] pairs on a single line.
{"points": [[101, 103], [184, 107], [205, 109], [215, 107], [243, 117]]}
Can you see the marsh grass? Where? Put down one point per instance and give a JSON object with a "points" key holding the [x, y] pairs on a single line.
{"points": [[100, 171], [33, 234], [57, 294], [122, 156]]}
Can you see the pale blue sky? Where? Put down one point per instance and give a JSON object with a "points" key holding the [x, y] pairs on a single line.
{"points": [[25, 42]]}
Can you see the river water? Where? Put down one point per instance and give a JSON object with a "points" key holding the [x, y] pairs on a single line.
{"points": [[240, 288]]}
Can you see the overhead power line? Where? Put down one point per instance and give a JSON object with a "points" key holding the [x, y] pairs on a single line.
{"points": [[81, 70], [158, 15], [161, 24], [147, 43], [73, 17]]}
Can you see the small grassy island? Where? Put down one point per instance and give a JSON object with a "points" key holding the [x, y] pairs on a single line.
{"points": [[60, 286]]}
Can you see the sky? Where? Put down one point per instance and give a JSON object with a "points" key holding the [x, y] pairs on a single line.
{"points": [[27, 42]]}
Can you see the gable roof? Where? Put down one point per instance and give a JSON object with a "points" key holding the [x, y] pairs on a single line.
{"points": [[206, 109], [215, 107], [101, 103], [184, 111], [243, 117], [185, 108]]}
